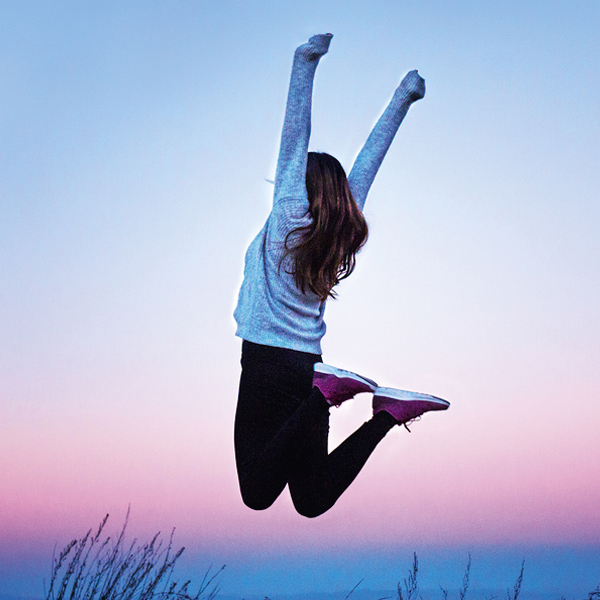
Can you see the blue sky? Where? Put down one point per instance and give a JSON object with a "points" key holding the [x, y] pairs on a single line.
{"points": [[136, 138]]}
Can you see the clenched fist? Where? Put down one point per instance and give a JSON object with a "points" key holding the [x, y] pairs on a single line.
{"points": [[413, 86]]}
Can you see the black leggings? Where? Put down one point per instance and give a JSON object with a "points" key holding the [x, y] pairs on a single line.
{"points": [[281, 429]]}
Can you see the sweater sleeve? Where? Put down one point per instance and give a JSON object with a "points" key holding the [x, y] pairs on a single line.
{"points": [[290, 176], [371, 156]]}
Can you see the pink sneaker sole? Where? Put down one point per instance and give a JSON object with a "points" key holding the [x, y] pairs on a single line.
{"points": [[404, 405], [338, 385]]}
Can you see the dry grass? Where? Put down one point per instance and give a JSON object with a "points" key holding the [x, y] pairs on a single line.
{"points": [[411, 589], [96, 567], [100, 568]]}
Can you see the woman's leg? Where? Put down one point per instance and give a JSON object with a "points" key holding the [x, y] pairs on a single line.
{"points": [[276, 411], [281, 431], [319, 479]]}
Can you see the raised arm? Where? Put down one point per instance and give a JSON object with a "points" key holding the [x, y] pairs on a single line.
{"points": [[290, 176], [368, 161]]}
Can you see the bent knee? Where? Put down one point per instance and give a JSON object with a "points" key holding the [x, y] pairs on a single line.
{"points": [[310, 509], [257, 501], [310, 512]]}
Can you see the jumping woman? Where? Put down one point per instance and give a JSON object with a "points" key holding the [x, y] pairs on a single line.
{"points": [[306, 247]]}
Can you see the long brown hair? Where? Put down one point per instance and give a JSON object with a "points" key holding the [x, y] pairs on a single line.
{"points": [[323, 253]]}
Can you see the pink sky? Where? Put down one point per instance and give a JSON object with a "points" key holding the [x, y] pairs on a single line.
{"points": [[135, 147]]}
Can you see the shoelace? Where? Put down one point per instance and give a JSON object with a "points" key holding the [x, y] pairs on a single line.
{"points": [[411, 422]]}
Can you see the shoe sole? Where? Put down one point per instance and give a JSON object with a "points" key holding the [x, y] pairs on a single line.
{"points": [[323, 369], [405, 395]]}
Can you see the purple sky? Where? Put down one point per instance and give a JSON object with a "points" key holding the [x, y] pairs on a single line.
{"points": [[135, 142]]}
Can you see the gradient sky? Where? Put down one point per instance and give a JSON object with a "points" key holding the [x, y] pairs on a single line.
{"points": [[135, 140]]}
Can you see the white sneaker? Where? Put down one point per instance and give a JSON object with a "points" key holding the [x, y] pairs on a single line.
{"points": [[338, 385], [405, 406]]}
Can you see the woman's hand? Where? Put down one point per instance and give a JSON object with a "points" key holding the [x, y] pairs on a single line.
{"points": [[413, 85], [316, 46]]}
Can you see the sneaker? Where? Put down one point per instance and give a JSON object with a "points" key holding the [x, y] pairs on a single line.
{"points": [[405, 406], [338, 385]]}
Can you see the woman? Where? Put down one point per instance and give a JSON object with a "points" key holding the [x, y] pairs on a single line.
{"points": [[307, 245]]}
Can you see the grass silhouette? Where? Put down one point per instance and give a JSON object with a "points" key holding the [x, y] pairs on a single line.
{"points": [[411, 589], [99, 568]]}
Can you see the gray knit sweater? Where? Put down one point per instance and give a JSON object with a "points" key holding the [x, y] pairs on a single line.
{"points": [[271, 310]]}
